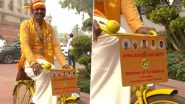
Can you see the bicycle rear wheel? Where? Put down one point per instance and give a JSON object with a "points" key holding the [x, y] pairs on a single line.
{"points": [[166, 99], [22, 94]]}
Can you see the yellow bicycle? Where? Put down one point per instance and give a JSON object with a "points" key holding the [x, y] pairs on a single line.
{"points": [[143, 94], [24, 90]]}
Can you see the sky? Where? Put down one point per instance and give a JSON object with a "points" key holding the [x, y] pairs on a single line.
{"points": [[65, 19]]}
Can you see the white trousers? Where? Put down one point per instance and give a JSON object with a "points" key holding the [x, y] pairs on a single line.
{"points": [[106, 82], [43, 91]]}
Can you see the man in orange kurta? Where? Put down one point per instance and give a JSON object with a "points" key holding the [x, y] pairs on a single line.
{"points": [[106, 85], [39, 45]]}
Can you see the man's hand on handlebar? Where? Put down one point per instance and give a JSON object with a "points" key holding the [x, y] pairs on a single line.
{"points": [[37, 68], [142, 30], [96, 30], [145, 30], [68, 67]]}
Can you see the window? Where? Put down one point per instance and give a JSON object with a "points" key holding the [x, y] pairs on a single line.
{"points": [[1, 3], [2, 18], [21, 19], [11, 5], [19, 6], [26, 11]]}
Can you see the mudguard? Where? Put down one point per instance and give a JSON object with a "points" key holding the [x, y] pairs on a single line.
{"points": [[168, 91]]}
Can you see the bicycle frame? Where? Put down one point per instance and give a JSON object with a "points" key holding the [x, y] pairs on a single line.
{"points": [[30, 84], [63, 99]]}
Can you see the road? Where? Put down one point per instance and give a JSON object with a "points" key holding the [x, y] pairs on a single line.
{"points": [[7, 82]]}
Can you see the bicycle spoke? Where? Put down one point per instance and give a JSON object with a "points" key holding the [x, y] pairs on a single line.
{"points": [[29, 98], [22, 94]]}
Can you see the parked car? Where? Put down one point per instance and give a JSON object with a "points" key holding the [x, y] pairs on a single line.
{"points": [[64, 49], [10, 52]]}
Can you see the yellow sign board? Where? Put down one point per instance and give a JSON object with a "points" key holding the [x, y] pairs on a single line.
{"points": [[63, 81], [143, 59]]}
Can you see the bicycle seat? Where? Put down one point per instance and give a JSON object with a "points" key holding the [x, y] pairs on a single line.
{"points": [[21, 75]]}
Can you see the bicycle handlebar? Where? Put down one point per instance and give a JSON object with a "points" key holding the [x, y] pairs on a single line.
{"points": [[114, 26], [48, 66]]}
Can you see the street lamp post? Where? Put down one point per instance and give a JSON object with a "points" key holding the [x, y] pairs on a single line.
{"points": [[49, 18]]}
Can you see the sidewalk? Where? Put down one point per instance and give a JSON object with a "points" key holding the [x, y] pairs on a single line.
{"points": [[178, 85], [85, 97]]}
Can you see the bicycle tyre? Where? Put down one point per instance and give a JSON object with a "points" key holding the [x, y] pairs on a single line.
{"points": [[26, 98], [166, 99]]}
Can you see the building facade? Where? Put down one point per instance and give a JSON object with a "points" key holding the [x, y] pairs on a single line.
{"points": [[11, 15]]}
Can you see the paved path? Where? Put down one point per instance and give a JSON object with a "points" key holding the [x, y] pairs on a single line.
{"points": [[177, 85], [7, 81]]}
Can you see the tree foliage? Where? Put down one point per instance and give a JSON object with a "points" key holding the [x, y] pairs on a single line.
{"points": [[79, 5], [76, 30], [147, 5], [176, 65], [163, 15], [81, 50], [178, 31], [183, 3], [82, 45], [87, 25], [168, 16]]}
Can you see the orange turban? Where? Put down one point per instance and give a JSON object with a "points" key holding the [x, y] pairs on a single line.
{"points": [[37, 4]]}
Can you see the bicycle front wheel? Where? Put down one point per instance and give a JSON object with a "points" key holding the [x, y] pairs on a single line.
{"points": [[166, 99], [22, 94], [78, 101]]}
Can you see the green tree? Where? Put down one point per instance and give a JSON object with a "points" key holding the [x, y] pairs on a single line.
{"points": [[81, 6], [183, 3], [168, 16], [87, 25], [82, 42], [84, 6], [160, 12], [76, 30], [81, 50]]}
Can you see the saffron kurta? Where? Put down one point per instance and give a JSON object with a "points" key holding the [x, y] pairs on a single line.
{"points": [[32, 48], [39, 44], [112, 9]]}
